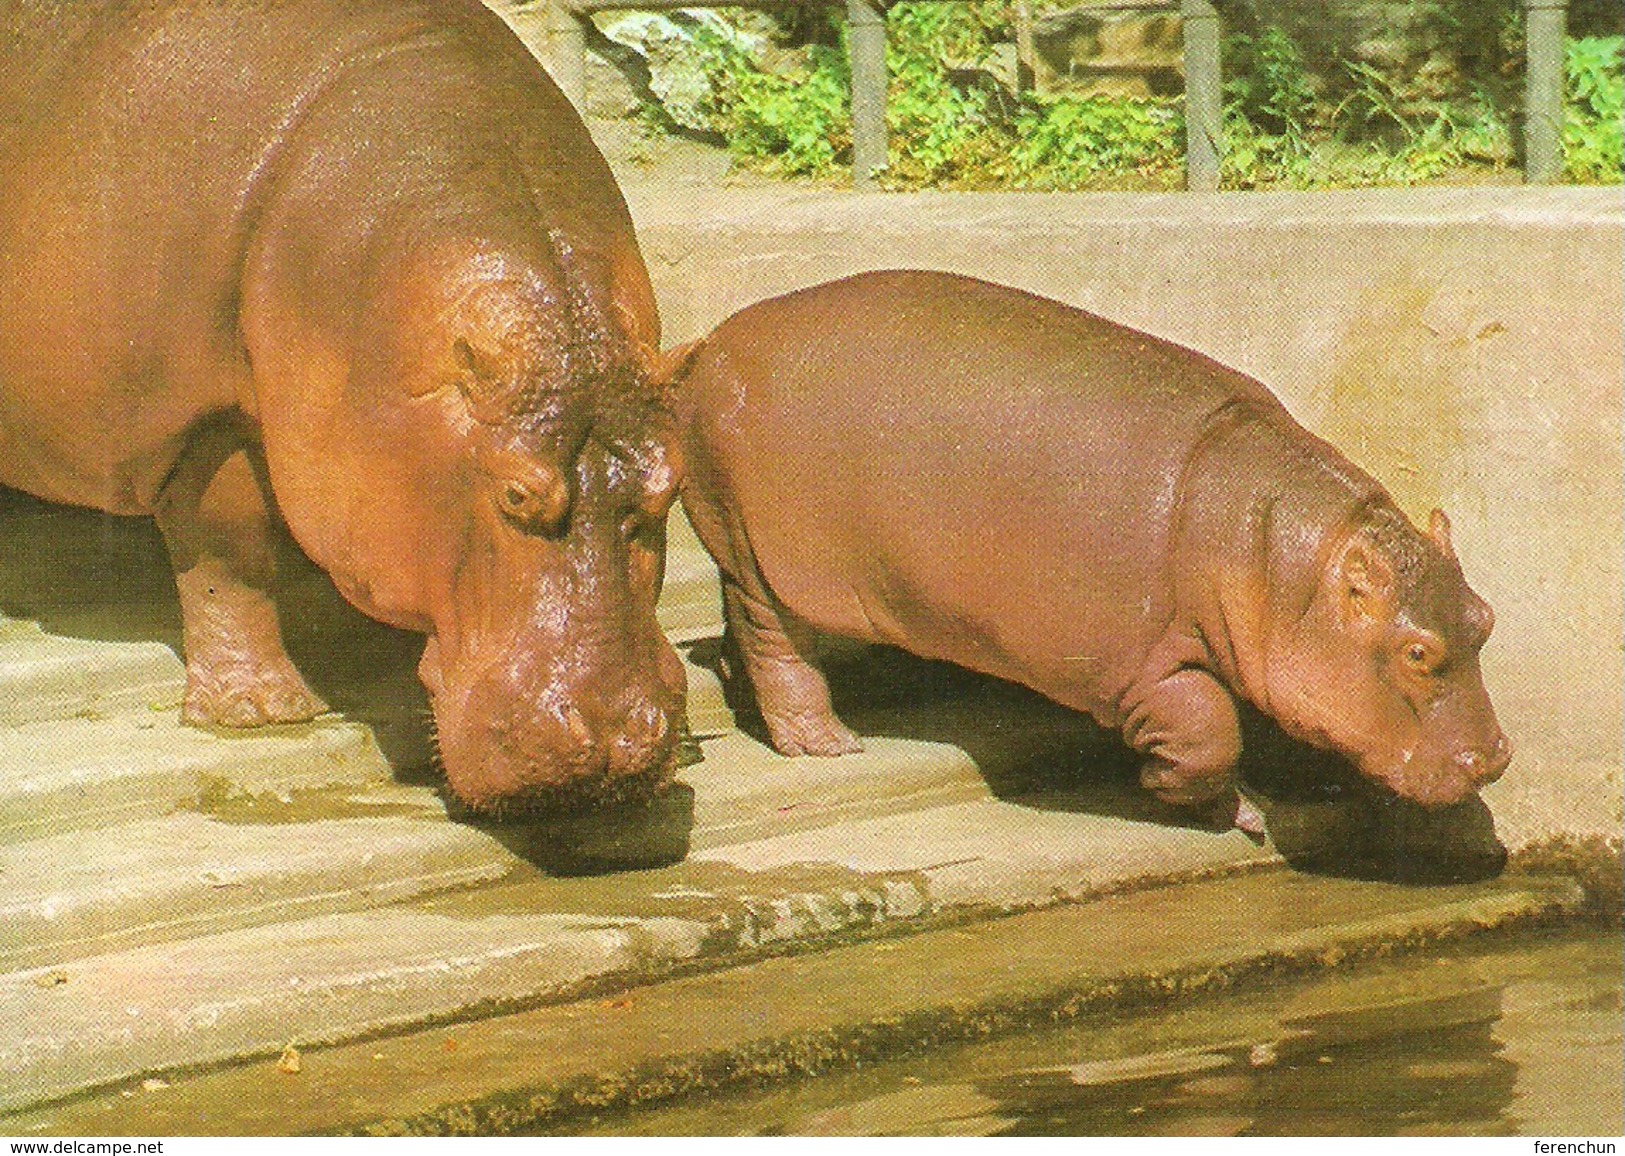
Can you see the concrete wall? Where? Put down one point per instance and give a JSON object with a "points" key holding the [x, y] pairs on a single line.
{"points": [[1464, 346]]}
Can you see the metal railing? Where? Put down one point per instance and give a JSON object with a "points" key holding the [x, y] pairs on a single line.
{"points": [[1545, 24]]}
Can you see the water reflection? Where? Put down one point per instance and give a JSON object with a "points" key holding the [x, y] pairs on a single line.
{"points": [[1341, 1073], [1521, 1040]]}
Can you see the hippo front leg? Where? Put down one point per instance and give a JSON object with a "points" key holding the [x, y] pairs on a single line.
{"points": [[213, 515], [790, 692], [1188, 729]]}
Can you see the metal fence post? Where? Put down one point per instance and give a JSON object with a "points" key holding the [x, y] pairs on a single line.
{"points": [[1545, 22], [866, 43], [567, 54], [1204, 95]]}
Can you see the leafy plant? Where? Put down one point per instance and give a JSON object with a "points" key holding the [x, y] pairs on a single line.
{"points": [[933, 121], [1061, 142], [1594, 109], [801, 122], [953, 125], [1268, 83]]}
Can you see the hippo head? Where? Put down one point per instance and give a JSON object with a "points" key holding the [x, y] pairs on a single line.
{"points": [[549, 678], [548, 675], [1383, 666], [487, 459]]}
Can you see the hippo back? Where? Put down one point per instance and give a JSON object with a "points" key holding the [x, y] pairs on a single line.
{"points": [[1017, 459]]}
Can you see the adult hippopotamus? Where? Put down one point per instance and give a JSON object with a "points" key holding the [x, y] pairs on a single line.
{"points": [[983, 476], [362, 257]]}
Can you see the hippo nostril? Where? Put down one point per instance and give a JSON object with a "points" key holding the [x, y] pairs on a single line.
{"points": [[649, 725], [642, 741], [576, 724], [1483, 767]]}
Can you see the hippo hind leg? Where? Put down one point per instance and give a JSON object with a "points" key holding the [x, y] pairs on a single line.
{"points": [[790, 691], [213, 515]]}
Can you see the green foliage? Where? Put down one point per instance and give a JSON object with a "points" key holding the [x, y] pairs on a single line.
{"points": [[1595, 109], [1268, 84], [1062, 142], [1384, 130], [805, 121], [935, 124], [952, 125], [801, 122]]}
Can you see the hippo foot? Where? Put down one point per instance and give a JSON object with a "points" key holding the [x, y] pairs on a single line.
{"points": [[811, 734], [1232, 811], [242, 695]]}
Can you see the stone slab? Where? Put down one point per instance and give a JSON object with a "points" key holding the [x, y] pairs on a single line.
{"points": [[76, 773], [187, 874], [45, 677], [817, 874], [251, 992], [991, 853], [765, 1019], [743, 791], [707, 707], [691, 594]]}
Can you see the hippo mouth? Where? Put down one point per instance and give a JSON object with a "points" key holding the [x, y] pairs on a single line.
{"points": [[585, 791], [509, 754], [1434, 782]]}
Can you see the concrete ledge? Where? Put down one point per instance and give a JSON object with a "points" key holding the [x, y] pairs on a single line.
{"points": [[772, 876], [806, 1012], [691, 595], [73, 774], [186, 875], [45, 677], [988, 853], [333, 977]]}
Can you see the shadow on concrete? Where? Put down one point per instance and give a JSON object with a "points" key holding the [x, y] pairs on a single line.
{"points": [[1322, 816], [635, 835], [85, 574]]}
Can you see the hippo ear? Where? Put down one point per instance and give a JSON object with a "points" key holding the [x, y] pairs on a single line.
{"points": [[1365, 584], [1439, 532], [481, 380], [475, 362]]}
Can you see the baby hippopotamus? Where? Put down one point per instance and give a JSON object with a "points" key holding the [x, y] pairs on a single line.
{"points": [[978, 475]]}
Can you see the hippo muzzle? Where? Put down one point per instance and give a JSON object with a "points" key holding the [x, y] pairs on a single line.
{"points": [[528, 733], [551, 682], [1458, 749]]}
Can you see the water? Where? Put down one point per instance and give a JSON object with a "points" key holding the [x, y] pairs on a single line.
{"points": [[1520, 1040]]}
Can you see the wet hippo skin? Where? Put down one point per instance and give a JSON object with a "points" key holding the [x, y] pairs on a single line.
{"points": [[983, 476], [359, 258]]}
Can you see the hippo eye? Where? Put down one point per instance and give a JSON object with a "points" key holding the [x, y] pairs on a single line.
{"points": [[1421, 656], [528, 509], [518, 502], [526, 492]]}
